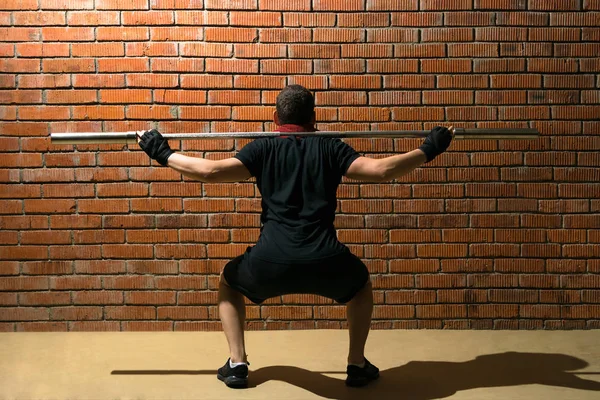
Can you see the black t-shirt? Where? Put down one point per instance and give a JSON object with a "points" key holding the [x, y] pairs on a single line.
{"points": [[298, 180]]}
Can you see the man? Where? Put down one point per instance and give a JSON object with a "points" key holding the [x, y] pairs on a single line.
{"points": [[297, 251]]}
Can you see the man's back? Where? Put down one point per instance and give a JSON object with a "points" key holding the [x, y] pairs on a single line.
{"points": [[298, 180]]}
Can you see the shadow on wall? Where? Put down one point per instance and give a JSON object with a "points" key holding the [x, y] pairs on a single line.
{"points": [[424, 380]]}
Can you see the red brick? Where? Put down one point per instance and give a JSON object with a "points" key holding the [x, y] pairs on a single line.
{"points": [[203, 81], [8, 81], [66, 5], [119, 5], [38, 18], [68, 65], [124, 34], [493, 311], [234, 35], [554, 5], [23, 222], [103, 80], [367, 51], [349, 20], [97, 50], [147, 18], [20, 191], [152, 80], [580, 311], [568, 81], [576, 49], [502, 34], [127, 251], [20, 34], [68, 34], [98, 112], [128, 221], [71, 96], [363, 114], [123, 65], [21, 5], [516, 81], [255, 19], [462, 81], [98, 237], [76, 313], [150, 49], [180, 251], [122, 189], [285, 35], [49, 206], [525, 49], [8, 113], [43, 50], [25, 314], [19, 65], [336, 5], [200, 17], [130, 96], [259, 50], [446, 5], [93, 18], [231, 65], [174, 34], [447, 35], [11, 207], [74, 252], [575, 112], [44, 298], [393, 35], [469, 19]]}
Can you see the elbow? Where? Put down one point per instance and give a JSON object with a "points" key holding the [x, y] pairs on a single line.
{"points": [[385, 175], [208, 177]]}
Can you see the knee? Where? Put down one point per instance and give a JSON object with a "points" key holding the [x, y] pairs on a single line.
{"points": [[368, 286], [222, 280]]}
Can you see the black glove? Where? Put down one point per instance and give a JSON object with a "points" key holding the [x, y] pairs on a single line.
{"points": [[436, 142], [156, 146]]}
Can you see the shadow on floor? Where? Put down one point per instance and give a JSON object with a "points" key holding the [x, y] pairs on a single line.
{"points": [[424, 380]]}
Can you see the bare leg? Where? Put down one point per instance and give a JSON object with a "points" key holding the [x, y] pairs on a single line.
{"points": [[359, 311], [232, 312]]}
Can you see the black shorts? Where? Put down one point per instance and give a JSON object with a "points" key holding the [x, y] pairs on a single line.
{"points": [[339, 277]]}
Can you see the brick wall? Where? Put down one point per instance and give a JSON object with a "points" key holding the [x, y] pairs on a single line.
{"points": [[493, 234]]}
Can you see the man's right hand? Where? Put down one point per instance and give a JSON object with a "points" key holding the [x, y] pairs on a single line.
{"points": [[437, 142], [156, 146]]}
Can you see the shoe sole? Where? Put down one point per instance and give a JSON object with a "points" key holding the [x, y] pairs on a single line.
{"points": [[233, 381], [363, 381]]}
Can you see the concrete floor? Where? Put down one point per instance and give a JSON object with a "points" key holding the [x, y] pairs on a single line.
{"points": [[301, 365]]}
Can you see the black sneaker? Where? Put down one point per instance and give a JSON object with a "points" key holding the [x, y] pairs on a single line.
{"points": [[361, 376], [236, 377]]}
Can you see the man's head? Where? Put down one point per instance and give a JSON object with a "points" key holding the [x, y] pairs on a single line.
{"points": [[295, 105]]}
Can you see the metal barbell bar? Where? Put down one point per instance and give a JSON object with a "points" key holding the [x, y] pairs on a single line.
{"points": [[130, 137]]}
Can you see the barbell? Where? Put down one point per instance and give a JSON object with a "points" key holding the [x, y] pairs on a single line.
{"points": [[130, 137]]}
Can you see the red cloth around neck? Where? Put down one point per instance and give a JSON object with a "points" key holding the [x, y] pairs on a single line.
{"points": [[295, 128]]}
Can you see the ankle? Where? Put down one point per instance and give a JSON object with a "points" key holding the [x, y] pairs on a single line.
{"points": [[356, 361], [236, 360]]}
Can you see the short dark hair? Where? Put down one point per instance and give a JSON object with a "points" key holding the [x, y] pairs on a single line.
{"points": [[295, 105]]}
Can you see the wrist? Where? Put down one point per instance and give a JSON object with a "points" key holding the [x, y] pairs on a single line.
{"points": [[427, 151], [421, 154]]}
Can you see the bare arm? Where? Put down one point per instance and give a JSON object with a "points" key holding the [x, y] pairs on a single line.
{"points": [[389, 168], [200, 169], [385, 169]]}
